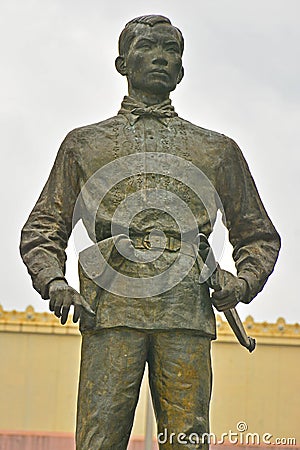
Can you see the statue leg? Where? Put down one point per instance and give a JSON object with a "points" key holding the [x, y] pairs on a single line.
{"points": [[112, 367], [180, 379]]}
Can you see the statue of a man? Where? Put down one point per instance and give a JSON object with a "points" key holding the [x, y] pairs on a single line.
{"points": [[170, 328]]}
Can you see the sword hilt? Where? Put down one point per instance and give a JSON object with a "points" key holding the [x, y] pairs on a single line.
{"points": [[231, 314]]}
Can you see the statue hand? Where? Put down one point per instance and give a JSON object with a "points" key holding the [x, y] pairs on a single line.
{"points": [[232, 290], [62, 296]]}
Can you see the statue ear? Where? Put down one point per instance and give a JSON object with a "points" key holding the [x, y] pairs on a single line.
{"points": [[121, 65], [180, 76]]}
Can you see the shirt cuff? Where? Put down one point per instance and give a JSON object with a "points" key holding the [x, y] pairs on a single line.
{"points": [[251, 281], [44, 278]]}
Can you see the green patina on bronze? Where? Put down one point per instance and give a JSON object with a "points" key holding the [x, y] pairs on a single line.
{"points": [[171, 331]]}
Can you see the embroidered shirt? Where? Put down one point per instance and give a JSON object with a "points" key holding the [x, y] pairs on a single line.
{"points": [[89, 148]]}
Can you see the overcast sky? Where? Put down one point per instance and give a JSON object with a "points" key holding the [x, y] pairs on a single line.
{"points": [[241, 78]]}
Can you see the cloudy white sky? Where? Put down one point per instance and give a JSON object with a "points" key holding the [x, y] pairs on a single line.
{"points": [[241, 78]]}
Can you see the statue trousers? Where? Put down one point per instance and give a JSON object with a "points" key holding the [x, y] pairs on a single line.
{"points": [[112, 367]]}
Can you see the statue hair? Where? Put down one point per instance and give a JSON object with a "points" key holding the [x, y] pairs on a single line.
{"points": [[130, 29]]}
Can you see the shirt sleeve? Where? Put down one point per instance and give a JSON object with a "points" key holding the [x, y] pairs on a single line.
{"points": [[45, 235], [255, 241]]}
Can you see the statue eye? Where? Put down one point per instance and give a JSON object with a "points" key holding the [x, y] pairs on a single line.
{"points": [[172, 49], [145, 45]]}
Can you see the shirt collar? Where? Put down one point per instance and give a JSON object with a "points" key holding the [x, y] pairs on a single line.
{"points": [[134, 110]]}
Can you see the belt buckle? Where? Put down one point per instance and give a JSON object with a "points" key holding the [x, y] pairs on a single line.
{"points": [[158, 241], [146, 241], [171, 243]]}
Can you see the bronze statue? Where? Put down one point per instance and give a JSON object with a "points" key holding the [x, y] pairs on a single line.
{"points": [[156, 162]]}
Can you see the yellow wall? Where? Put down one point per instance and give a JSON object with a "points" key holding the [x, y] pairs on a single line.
{"points": [[40, 365]]}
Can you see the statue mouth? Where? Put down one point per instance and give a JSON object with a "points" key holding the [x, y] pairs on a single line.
{"points": [[159, 72]]}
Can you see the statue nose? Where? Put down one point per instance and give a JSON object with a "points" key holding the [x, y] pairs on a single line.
{"points": [[160, 61]]}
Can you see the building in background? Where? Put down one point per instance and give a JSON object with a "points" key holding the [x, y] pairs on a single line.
{"points": [[255, 396]]}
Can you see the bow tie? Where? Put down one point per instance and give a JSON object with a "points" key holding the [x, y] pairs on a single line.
{"points": [[160, 111]]}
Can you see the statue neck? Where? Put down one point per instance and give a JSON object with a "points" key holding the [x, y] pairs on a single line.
{"points": [[148, 99]]}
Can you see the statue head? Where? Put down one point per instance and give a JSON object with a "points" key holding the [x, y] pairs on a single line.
{"points": [[150, 55]]}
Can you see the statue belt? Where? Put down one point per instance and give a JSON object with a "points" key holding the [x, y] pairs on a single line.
{"points": [[164, 242], [156, 242], [91, 258]]}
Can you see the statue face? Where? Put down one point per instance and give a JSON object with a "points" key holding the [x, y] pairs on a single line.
{"points": [[154, 62]]}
